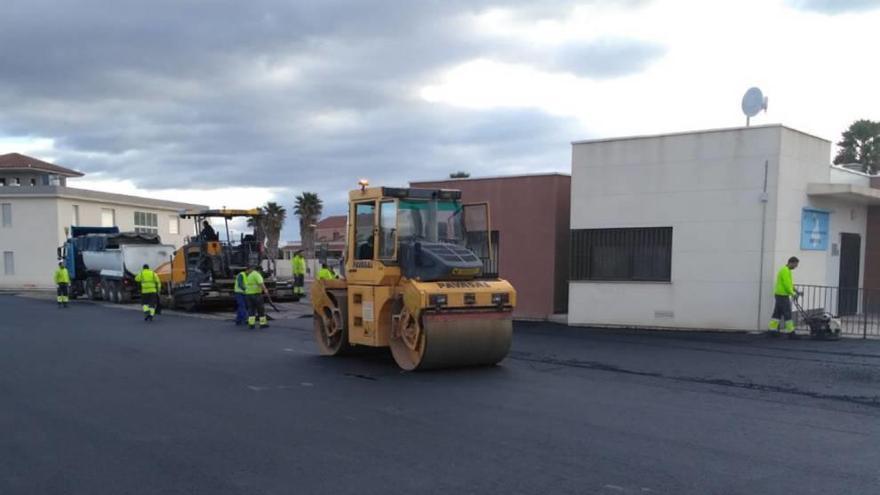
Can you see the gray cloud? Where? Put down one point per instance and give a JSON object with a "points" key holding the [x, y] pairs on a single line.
{"points": [[306, 95], [606, 58], [835, 6]]}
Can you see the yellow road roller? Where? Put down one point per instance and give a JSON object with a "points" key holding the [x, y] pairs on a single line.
{"points": [[414, 282]]}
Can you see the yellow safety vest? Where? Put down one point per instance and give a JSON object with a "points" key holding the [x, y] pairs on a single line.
{"points": [[240, 283], [299, 265], [784, 282], [62, 276], [252, 283], [149, 281]]}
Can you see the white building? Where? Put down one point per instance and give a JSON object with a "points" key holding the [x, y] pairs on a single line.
{"points": [[667, 230], [37, 209]]}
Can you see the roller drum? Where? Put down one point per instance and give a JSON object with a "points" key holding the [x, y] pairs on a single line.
{"points": [[455, 339]]}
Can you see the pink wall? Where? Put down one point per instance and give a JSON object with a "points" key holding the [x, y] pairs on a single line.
{"points": [[531, 214]]}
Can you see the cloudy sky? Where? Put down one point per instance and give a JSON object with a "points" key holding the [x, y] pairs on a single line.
{"points": [[240, 102]]}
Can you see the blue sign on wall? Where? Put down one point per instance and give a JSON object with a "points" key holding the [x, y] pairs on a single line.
{"points": [[814, 229]]}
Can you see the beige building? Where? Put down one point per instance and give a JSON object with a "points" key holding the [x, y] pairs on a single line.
{"points": [[37, 210], [688, 230]]}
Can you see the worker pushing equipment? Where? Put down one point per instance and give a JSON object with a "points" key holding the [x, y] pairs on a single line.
{"points": [[254, 291], [783, 292], [414, 282], [149, 291], [62, 280]]}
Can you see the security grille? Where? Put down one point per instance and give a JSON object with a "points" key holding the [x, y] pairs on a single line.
{"points": [[629, 254]]}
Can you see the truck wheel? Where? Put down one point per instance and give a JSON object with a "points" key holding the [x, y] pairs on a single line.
{"points": [[116, 293], [91, 293], [105, 290], [111, 292], [124, 296]]}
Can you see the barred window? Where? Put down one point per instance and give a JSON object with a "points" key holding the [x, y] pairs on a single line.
{"points": [[633, 254]]}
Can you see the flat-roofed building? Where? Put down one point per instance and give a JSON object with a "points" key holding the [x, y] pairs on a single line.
{"points": [[688, 230]]}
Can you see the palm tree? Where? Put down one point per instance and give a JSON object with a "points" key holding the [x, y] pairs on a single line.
{"points": [[308, 208], [273, 217], [269, 224]]}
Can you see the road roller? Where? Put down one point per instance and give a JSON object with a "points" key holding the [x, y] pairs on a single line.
{"points": [[414, 282]]}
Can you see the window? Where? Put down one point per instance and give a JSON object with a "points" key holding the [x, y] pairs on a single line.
{"points": [[74, 220], [434, 220], [363, 214], [387, 229], [8, 263], [173, 225], [146, 223], [2, 181], [5, 214], [108, 217], [16, 181], [640, 254]]}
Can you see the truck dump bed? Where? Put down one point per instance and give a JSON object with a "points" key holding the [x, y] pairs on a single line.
{"points": [[127, 259]]}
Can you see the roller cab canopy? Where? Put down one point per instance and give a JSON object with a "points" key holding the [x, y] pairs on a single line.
{"points": [[404, 193], [221, 213]]}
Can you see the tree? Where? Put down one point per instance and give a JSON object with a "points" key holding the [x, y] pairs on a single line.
{"points": [[269, 225], [273, 217], [308, 208], [861, 144], [459, 175]]}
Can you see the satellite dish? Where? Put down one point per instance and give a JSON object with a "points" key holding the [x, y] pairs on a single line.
{"points": [[753, 102]]}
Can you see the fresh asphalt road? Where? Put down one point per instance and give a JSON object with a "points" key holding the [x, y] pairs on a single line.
{"points": [[95, 401]]}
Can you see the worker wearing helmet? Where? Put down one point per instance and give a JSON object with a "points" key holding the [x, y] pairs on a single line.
{"points": [[783, 292], [254, 290], [149, 291], [62, 280], [298, 262], [241, 312]]}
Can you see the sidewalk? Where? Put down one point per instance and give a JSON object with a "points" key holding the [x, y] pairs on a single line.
{"points": [[288, 310]]}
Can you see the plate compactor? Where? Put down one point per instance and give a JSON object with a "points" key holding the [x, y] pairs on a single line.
{"points": [[414, 282], [822, 324]]}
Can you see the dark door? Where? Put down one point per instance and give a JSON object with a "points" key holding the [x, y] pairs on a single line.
{"points": [[848, 299]]}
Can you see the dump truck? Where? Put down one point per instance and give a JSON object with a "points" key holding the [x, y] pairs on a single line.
{"points": [[202, 272], [414, 282], [103, 262]]}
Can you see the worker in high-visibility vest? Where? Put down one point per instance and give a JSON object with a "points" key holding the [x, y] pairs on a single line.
{"points": [[783, 291], [62, 280], [241, 312], [298, 262], [326, 273], [254, 289], [150, 284]]}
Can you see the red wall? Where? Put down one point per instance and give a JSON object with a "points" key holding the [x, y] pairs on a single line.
{"points": [[872, 244], [531, 214]]}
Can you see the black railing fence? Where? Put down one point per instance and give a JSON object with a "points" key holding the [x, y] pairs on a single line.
{"points": [[857, 308], [490, 267]]}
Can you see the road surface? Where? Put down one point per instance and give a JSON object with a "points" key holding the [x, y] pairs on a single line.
{"points": [[96, 401]]}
